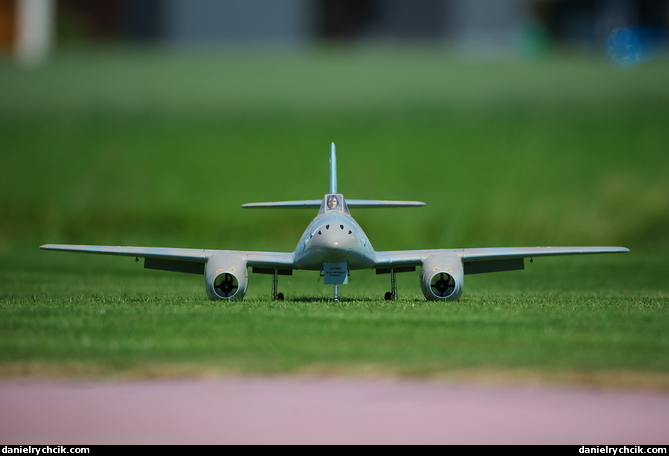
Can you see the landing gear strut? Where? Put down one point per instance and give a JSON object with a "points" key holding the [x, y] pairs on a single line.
{"points": [[275, 285], [392, 294]]}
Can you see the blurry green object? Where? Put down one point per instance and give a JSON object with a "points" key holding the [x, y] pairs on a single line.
{"points": [[533, 40]]}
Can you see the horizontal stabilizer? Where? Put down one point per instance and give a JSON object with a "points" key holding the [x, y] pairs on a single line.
{"points": [[286, 204], [382, 203], [349, 203]]}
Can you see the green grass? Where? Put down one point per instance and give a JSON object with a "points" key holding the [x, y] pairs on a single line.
{"points": [[560, 320], [150, 148]]}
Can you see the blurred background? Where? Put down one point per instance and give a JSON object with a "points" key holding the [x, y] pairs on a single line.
{"points": [[519, 122], [530, 26]]}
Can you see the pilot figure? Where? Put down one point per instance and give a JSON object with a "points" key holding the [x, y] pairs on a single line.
{"points": [[332, 202]]}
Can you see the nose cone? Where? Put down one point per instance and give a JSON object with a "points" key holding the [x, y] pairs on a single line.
{"points": [[334, 242]]}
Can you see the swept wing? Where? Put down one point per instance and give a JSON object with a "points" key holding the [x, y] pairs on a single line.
{"points": [[181, 260], [485, 259]]}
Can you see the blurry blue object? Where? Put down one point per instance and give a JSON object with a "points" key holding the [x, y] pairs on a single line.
{"points": [[630, 46]]}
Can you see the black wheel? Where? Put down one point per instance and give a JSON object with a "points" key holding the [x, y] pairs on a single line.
{"points": [[279, 296], [388, 296]]}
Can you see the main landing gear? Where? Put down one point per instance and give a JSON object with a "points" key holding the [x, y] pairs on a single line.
{"points": [[275, 285], [392, 294]]}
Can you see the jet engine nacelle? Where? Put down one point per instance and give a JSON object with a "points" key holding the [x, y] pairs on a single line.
{"points": [[442, 277], [226, 277]]}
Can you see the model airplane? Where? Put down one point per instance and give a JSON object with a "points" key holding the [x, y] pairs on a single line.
{"points": [[335, 245]]}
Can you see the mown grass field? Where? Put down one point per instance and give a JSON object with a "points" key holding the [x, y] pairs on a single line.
{"points": [[160, 149]]}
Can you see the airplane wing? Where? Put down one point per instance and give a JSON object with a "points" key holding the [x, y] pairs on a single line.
{"points": [[180, 260], [195, 255], [192, 260], [486, 259]]}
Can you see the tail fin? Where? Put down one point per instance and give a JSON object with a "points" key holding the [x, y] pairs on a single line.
{"points": [[333, 189], [333, 169]]}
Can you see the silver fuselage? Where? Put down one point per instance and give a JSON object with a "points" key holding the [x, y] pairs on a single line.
{"points": [[334, 237]]}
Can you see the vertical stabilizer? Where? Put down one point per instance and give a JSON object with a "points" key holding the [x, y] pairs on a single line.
{"points": [[333, 169]]}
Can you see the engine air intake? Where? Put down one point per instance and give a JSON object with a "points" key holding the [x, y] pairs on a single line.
{"points": [[442, 285]]}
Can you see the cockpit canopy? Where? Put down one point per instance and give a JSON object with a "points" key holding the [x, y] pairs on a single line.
{"points": [[333, 202]]}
